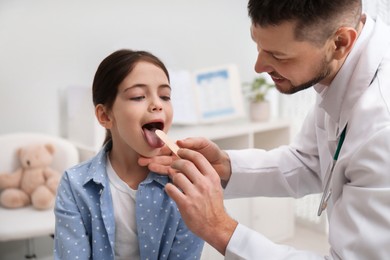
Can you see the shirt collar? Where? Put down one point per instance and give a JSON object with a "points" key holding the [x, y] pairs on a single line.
{"points": [[161, 179], [97, 167], [343, 92]]}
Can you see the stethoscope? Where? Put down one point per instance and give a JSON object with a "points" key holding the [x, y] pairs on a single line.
{"points": [[327, 189]]}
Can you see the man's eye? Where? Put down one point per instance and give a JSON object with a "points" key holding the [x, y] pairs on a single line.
{"points": [[276, 58], [138, 98], [284, 59]]}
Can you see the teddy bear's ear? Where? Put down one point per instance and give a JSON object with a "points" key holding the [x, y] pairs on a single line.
{"points": [[50, 148]]}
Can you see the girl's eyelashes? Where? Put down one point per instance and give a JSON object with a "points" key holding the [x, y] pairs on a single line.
{"points": [[165, 98], [137, 98]]}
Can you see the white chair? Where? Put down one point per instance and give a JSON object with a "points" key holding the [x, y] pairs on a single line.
{"points": [[27, 223]]}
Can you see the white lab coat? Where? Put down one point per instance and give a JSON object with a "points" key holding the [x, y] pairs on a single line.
{"points": [[359, 208]]}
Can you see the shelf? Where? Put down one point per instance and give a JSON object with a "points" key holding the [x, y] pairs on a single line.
{"points": [[227, 129]]}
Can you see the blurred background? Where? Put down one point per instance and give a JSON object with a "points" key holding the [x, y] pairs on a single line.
{"points": [[47, 46]]}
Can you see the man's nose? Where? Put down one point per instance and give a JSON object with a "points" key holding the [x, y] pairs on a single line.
{"points": [[262, 63]]}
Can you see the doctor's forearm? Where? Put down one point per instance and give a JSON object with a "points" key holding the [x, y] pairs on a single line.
{"points": [[218, 236]]}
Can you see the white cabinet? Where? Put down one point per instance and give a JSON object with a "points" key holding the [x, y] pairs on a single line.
{"points": [[273, 217]]}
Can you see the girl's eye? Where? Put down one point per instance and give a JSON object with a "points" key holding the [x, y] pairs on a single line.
{"points": [[138, 98], [165, 98]]}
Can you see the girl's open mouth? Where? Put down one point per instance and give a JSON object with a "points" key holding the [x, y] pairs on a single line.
{"points": [[150, 136]]}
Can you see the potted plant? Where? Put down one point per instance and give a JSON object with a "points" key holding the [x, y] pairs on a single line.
{"points": [[259, 106]]}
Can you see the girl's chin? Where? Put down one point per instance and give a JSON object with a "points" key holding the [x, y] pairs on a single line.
{"points": [[151, 153]]}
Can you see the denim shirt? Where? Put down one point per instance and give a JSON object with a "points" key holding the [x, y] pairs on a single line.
{"points": [[85, 224]]}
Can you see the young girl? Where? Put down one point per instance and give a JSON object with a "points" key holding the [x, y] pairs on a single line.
{"points": [[109, 207]]}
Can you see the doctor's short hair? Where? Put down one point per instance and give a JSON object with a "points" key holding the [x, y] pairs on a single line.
{"points": [[316, 20]]}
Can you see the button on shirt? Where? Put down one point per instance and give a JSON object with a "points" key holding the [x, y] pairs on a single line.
{"points": [[85, 223]]}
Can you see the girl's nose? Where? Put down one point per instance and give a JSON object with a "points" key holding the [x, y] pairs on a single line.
{"points": [[156, 105], [157, 108]]}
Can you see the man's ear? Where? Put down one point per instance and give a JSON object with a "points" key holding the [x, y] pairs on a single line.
{"points": [[343, 41], [102, 116]]}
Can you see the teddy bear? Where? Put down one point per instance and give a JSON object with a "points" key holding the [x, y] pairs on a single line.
{"points": [[34, 182]]}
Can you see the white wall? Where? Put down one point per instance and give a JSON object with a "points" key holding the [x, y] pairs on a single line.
{"points": [[47, 45]]}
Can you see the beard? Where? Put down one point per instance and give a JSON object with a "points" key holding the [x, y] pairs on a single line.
{"points": [[322, 72]]}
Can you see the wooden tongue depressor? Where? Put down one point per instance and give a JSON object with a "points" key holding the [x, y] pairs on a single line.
{"points": [[163, 136]]}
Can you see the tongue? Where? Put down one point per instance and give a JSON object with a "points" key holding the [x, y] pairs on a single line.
{"points": [[152, 138]]}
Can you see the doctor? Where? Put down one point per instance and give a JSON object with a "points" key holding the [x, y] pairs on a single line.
{"points": [[343, 149]]}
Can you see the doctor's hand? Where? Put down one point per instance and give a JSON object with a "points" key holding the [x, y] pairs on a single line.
{"points": [[217, 158], [160, 163], [197, 191]]}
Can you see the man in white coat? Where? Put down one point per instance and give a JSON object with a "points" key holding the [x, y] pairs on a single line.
{"points": [[343, 149]]}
